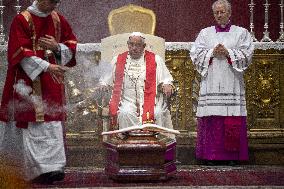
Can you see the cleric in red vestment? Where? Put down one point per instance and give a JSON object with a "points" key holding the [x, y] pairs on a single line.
{"points": [[41, 46]]}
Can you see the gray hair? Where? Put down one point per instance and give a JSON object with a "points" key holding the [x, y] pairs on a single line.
{"points": [[222, 2]]}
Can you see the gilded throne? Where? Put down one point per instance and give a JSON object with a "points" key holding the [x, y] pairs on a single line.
{"points": [[123, 21]]}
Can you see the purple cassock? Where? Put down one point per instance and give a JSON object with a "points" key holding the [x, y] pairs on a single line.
{"points": [[222, 138]]}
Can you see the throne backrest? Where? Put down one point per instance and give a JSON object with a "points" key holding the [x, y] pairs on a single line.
{"points": [[116, 44], [131, 18]]}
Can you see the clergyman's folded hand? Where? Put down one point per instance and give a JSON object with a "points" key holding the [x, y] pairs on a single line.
{"points": [[167, 89], [48, 42]]}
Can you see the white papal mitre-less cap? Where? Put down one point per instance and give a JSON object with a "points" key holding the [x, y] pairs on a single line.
{"points": [[139, 34]]}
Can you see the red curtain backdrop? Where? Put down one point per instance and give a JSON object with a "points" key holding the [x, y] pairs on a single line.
{"points": [[177, 20]]}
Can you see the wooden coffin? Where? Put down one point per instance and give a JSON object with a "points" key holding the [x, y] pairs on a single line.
{"points": [[140, 157]]}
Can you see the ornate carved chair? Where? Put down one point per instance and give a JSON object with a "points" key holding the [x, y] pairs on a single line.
{"points": [[131, 18]]}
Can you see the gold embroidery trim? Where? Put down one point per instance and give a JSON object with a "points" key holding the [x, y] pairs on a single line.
{"points": [[57, 26], [17, 52], [27, 15], [71, 42], [38, 105]]}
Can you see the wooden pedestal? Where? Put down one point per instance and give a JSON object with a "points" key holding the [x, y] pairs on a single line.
{"points": [[140, 157]]}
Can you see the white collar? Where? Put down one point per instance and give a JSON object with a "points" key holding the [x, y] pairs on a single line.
{"points": [[34, 10]]}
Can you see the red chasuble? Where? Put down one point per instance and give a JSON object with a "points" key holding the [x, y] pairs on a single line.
{"points": [[25, 31], [149, 88]]}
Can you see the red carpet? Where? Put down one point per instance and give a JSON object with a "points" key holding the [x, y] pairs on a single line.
{"points": [[186, 176]]}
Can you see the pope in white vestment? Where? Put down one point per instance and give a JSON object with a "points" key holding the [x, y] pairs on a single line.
{"points": [[142, 76], [221, 54]]}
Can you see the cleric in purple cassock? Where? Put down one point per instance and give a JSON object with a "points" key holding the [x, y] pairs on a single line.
{"points": [[221, 54]]}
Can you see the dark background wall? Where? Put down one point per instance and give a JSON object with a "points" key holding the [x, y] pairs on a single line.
{"points": [[177, 20]]}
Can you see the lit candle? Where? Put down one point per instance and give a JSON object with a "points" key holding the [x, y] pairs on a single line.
{"points": [[17, 6]]}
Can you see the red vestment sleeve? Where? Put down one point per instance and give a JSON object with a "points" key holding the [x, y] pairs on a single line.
{"points": [[20, 43]]}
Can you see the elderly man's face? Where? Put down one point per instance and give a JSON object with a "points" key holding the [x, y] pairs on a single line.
{"points": [[136, 47], [47, 6], [221, 14]]}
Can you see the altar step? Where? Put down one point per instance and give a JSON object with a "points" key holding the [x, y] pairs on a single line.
{"points": [[259, 154]]}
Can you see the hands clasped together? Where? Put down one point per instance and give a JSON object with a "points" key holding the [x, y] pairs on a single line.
{"points": [[167, 89], [220, 51]]}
